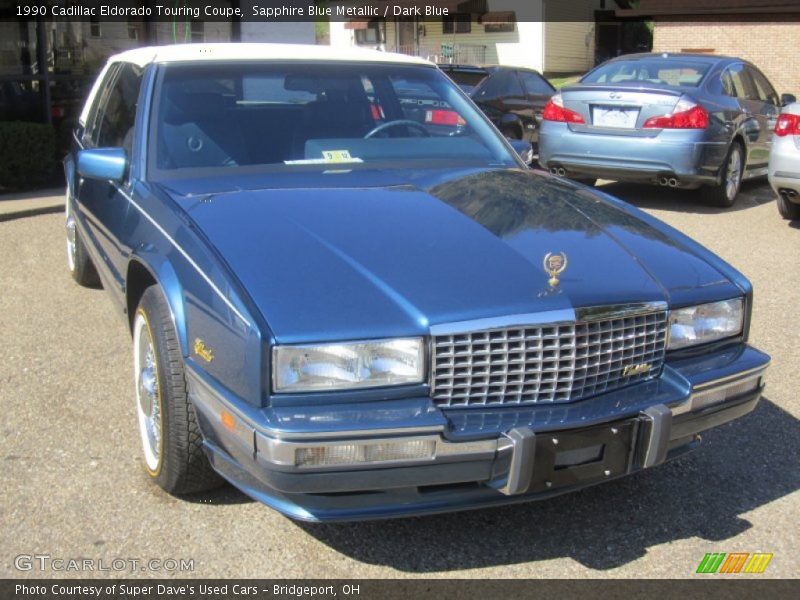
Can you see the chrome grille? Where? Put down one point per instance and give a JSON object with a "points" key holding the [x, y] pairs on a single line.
{"points": [[557, 362]]}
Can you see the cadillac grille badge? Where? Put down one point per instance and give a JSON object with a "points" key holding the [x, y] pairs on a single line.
{"points": [[640, 369], [554, 265]]}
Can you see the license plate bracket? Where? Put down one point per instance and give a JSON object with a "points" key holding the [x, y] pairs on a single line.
{"points": [[571, 458]]}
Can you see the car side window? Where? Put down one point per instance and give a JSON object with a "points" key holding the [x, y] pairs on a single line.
{"points": [[727, 84], [766, 93], [504, 84], [95, 113], [742, 83], [116, 125], [535, 84]]}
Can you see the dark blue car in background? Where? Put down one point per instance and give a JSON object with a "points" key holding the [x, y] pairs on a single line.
{"points": [[350, 311]]}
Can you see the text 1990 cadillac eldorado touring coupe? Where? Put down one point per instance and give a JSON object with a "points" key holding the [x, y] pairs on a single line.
{"points": [[350, 308]]}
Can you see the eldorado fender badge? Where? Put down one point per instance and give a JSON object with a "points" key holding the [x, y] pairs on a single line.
{"points": [[202, 350]]}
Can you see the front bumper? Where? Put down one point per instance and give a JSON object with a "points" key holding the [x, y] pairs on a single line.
{"points": [[642, 156], [467, 458]]}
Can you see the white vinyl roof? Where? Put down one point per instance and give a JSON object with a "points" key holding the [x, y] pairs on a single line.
{"points": [[239, 51]]}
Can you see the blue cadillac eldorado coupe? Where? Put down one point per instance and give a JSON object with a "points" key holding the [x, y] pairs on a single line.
{"points": [[354, 303]]}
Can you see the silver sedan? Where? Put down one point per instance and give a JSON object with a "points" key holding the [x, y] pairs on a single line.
{"points": [[678, 120], [784, 162]]}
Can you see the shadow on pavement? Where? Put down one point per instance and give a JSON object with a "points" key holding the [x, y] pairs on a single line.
{"points": [[753, 193], [739, 468], [224, 495]]}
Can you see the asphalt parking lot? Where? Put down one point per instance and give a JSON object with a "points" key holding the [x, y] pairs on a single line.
{"points": [[72, 483]]}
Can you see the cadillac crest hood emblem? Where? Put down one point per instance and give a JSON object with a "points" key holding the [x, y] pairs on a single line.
{"points": [[554, 265]]}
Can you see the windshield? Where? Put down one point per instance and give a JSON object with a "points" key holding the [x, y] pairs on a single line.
{"points": [[664, 71], [467, 80], [288, 116]]}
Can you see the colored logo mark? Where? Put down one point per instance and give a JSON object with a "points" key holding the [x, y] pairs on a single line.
{"points": [[734, 562]]}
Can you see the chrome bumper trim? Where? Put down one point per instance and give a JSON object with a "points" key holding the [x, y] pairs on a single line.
{"points": [[282, 453], [355, 434], [523, 454], [730, 378], [718, 384]]}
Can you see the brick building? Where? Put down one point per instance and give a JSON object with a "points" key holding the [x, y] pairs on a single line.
{"points": [[765, 32]]}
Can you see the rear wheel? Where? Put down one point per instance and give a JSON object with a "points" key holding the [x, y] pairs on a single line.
{"points": [[80, 265], [724, 193], [170, 436], [788, 210]]}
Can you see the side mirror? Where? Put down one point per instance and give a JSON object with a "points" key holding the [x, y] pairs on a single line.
{"points": [[108, 164], [788, 99], [524, 149]]}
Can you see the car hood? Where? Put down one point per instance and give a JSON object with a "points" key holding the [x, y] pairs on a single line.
{"points": [[365, 254]]}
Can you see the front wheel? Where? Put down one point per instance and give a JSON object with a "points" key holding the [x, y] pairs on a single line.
{"points": [[171, 438], [80, 265], [724, 193]]}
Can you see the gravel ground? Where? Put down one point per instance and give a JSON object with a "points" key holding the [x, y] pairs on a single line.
{"points": [[72, 483]]}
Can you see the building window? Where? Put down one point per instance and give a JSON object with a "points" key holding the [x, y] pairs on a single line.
{"points": [[457, 23], [369, 35], [94, 27], [498, 22], [198, 31], [133, 30]]}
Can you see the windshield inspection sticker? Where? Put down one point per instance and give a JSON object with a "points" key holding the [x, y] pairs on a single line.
{"points": [[337, 155], [328, 157]]}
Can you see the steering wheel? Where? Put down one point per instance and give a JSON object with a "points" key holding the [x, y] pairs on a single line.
{"points": [[397, 123]]}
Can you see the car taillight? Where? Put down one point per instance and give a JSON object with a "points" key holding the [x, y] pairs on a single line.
{"points": [[377, 112], [685, 115], [56, 112], [788, 124], [554, 111], [443, 117]]}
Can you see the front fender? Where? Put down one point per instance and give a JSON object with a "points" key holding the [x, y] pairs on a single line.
{"points": [[232, 356], [162, 272]]}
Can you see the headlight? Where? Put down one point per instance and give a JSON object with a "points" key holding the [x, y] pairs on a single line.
{"points": [[322, 367], [705, 323]]}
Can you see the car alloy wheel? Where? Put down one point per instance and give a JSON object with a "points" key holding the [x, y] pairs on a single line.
{"points": [[148, 393], [70, 238], [171, 438], [80, 265], [733, 174]]}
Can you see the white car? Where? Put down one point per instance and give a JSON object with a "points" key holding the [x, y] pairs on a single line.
{"points": [[784, 162]]}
